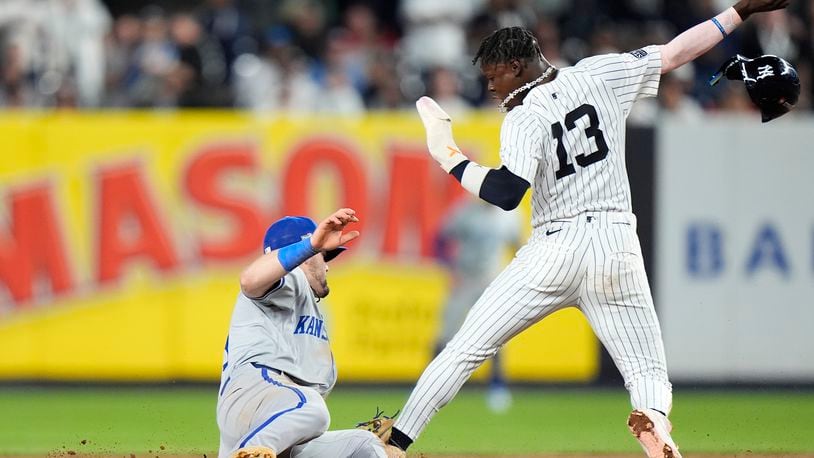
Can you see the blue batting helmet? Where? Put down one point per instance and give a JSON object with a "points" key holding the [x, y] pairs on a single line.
{"points": [[292, 229]]}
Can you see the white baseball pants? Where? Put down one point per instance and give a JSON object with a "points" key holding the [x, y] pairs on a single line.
{"points": [[592, 262]]}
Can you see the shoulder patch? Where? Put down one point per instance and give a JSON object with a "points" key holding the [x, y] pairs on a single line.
{"points": [[639, 53]]}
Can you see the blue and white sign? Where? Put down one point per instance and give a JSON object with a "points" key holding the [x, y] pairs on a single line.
{"points": [[735, 249]]}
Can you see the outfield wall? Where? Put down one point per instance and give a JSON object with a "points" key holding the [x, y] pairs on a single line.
{"points": [[735, 250], [122, 236]]}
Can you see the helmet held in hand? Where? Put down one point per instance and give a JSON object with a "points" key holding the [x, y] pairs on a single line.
{"points": [[772, 83]]}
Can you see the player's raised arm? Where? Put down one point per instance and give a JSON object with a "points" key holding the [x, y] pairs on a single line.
{"points": [[499, 187], [264, 272], [701, 38]]}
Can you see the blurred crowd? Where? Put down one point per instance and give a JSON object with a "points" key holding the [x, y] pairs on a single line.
{"points": [[350, 56]]}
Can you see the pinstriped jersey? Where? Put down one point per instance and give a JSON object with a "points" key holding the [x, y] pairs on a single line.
{"points": [[567, 139]]}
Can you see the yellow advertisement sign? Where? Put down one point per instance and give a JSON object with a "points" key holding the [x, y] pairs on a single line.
{"points": [[122, 236]]}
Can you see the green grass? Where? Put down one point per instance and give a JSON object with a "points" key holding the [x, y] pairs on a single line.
{"points": [[131, 420]]}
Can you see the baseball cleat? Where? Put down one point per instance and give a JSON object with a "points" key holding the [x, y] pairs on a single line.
{"points": [[254, 452], [652, 430]]}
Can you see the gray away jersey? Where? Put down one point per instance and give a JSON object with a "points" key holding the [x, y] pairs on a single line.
{"points": [[284, 330], [567, 139]]}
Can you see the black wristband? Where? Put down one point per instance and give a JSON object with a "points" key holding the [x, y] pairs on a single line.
{"points": [[399, 439]]}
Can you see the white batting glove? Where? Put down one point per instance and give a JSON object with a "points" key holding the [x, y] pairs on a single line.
{"points": [[438, 125]]}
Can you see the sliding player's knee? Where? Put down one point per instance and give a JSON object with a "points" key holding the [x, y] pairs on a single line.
{"points": [[316, 416]]}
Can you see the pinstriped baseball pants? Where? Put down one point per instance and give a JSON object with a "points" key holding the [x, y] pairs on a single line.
{"points": [[592, 262]]}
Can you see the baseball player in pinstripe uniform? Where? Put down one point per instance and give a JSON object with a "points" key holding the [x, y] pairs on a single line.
{"points": [[278, 364], [564, 136]]}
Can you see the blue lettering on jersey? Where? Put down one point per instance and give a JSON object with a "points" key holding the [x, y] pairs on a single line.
{"points": [[300, 329], [311, 326], [318, 328]]}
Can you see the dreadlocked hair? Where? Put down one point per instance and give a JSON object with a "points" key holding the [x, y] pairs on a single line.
{"points": [[507, 44]]}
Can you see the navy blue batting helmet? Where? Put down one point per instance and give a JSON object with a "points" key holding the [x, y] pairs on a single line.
{"points": [[292, 229], [772, 83]]}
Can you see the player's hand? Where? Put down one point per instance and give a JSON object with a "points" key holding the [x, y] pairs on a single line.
{"points": [[328, 234], [746, 8], [438, 125]]}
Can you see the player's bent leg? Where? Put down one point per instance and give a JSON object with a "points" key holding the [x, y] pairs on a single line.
{"points": [[520, 296], [271, 412], [280, 429]]}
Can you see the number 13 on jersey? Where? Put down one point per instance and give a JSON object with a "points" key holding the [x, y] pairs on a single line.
{"points": [[592, 131]]}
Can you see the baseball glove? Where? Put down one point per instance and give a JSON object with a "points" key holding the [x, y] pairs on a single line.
{"points": [[381, 425]]}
